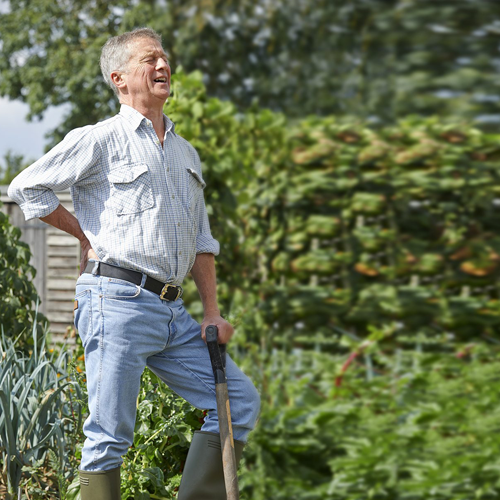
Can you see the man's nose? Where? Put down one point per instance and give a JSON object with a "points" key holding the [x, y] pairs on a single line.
{"points": [[161, 63]]}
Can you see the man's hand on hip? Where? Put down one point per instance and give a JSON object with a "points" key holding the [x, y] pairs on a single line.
{"points": [[87, 253], [226, 330], [67, 222]]}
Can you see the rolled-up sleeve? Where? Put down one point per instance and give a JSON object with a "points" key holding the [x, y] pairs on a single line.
{"points": [[68, 163], [205, 242]]}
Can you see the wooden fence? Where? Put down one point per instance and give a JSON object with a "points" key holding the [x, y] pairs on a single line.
{"points": [[55, 256]]}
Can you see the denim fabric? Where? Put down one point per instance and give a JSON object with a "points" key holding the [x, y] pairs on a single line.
{"points": [[125, 328]]}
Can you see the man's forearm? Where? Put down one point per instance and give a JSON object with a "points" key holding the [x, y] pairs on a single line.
{"points": [[64, 220], [203, 272]]}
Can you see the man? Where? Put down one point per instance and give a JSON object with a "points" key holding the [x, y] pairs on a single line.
{"points": [[137, 189]]}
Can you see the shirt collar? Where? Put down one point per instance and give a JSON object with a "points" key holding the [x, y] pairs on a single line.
{"points": [[169, 124], [131, 115], [135, 118]]}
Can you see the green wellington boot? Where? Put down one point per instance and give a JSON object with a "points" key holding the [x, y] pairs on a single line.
{"points": [[100, 484], [203, 476]]}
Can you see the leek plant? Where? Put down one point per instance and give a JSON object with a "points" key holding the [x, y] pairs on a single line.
{"points": [[37, 412]]}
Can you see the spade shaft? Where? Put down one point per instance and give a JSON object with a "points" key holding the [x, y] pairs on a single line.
{"points": [[218, 358]]}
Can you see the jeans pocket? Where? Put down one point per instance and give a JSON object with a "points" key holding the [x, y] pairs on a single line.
{"points": [[116, 289], [83, 315]]}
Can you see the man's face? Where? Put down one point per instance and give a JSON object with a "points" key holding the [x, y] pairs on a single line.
{"points": [[148, 72]]}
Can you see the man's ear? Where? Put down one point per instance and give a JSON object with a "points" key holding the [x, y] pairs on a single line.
{"points": [[118, 80]]}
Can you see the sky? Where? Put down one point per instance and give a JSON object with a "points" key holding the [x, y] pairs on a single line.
{"points": [[23, 137], [16, 133]]}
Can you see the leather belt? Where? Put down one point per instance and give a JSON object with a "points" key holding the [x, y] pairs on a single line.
{"points": [[164, 290]]}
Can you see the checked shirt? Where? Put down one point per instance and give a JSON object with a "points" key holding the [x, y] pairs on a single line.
{"points": [[140, 205]]}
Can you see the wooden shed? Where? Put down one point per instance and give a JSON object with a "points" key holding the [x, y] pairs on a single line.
{"points": [[56, 258]]}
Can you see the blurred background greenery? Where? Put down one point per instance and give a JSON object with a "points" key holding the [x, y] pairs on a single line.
{"points": [[351, 155]]}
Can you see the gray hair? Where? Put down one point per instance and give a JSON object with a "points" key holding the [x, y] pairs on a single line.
{"points": [[115, 54]]}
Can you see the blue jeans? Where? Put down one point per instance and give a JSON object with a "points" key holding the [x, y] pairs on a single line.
{"points": [[125, 328]]}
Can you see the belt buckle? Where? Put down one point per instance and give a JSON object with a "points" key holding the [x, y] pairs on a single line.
{"points": [[164, 290]]}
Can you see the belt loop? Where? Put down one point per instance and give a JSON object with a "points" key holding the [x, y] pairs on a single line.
{"points": [[95, 270], [143, 281]]}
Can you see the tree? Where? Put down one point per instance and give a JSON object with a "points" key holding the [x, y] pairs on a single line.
{"points": [[13, 164], [378, 59]]}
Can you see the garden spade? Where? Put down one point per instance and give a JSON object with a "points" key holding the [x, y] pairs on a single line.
{"points": [[218, 358]]}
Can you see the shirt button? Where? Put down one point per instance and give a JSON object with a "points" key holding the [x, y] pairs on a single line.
{"points": [[178, 223], [173, 197], [180, 253], [168, 169]]}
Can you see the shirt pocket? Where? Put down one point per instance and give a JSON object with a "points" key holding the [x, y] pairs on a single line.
{"points": [[196, 184], [131, 190], [199, 181]]}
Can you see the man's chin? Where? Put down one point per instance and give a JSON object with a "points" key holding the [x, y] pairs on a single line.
{"points": [[162, 95], [163, 92]]}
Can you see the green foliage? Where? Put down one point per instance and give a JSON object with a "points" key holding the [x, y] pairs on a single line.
{"points": [[427, 430], [163, 431], [366, 424], [353, 227], [369, 424], [37, 417], [416, 425], [329, 223], [379, 60], [17, 293], [13, 164], [326, 211], [355, 264], [232, 146]]}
